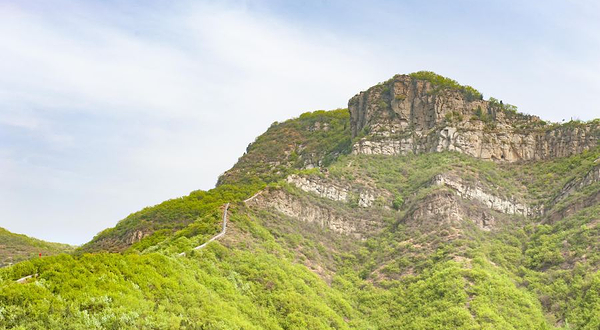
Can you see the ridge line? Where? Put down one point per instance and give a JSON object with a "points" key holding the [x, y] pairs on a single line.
{"points": [[217, 236]]}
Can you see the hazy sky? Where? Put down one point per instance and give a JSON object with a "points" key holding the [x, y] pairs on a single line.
{"points": [[109, 106]]}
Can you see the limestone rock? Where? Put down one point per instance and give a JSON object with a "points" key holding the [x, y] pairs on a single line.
{"points": [[338, 192], [577, 184], [318, 187], [407, 115], [136, 236], [322, 216], [446, 208], [473, 192]]}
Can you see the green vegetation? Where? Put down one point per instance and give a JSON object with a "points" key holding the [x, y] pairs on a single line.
{"points": [[16, 247], [483, 115], [544, 179], [509, 108], [214, 289], [273, 271], [440, 83], [315, 139], [260, 286], [180, 218], [398, 202], [454, 117]]}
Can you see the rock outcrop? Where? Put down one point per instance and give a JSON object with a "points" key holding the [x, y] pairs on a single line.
{"points": [[497, 203], [445, 207], [577, 184], [461, 201], [560, 209], [337, 192], [330, 191], [343, 223], [136, 236], [410, 115]]}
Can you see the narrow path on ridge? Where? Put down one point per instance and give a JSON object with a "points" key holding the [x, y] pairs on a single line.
{"points": [[224, 230], [217, 236]]}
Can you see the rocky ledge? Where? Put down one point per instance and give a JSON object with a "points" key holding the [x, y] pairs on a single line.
{"points": [[497, 203], [352, 224], [335, 191], [411, 115]]}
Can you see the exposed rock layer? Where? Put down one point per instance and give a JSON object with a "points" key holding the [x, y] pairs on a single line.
{"points": [[324, 217], [336, 192], [500, 204], [445, 207], [577, 184], [407, 115]]}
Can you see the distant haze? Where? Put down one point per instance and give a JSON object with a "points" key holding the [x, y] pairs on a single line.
{"points": [[107, 107]]}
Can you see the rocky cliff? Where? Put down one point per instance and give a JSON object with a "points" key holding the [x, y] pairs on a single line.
{"points": [[497, 203], [423, 112], [337, 191], [355, 224]]}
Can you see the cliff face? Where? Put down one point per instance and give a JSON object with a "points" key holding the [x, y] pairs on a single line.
{"points": [[354, 224], [337, 191], [411, 115]]}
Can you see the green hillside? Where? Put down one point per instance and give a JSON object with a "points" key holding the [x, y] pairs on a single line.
{"points": [[338, 240], [15, 248]]}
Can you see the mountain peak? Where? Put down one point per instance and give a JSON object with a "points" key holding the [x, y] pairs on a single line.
{"points": [[426, 112]]}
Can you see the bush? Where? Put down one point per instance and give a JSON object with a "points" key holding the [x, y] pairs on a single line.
{"points": [[440, 82], [398, 202]]}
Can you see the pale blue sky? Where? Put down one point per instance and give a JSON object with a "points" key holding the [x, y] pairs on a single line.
{"points": [[110, 106]]}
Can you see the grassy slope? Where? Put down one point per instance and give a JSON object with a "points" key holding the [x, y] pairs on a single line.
{"points": [[284, 147], [315, 138], [16, 247], [522, 276], [258, 286]]}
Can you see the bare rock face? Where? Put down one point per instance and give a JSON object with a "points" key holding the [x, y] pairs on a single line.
{"points": [[313, 185], [451, 205], [404, 102], [408, 115], [497, 203], [136, 236], [324, 217], [577, 184], [335, 191], [445, 207], [439, 208]]}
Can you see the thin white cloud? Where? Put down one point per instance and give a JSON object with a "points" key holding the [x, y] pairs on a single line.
{"points": [[139, 119], [106, 109]]}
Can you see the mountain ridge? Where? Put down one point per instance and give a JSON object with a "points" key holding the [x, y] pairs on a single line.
{"points": [[322, 234], [18, 247]]}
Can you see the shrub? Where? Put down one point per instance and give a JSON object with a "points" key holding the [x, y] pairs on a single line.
{"points": [[398, 202], [440, 82]]}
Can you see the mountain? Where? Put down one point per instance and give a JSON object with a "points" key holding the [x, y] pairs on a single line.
{"points": [[420, 206], [15, 248]]}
